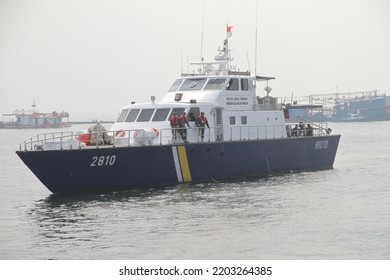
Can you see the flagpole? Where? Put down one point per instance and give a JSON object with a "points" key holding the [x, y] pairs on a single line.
{"points": [[227, 47], [228, 34]]}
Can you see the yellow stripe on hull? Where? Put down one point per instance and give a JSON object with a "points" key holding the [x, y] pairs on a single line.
{"points": [[185, 168]]}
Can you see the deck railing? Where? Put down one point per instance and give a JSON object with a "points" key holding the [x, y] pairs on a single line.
{"points": [[139, 137]]}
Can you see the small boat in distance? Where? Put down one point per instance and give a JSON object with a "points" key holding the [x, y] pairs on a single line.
{"points": [[33, 119], [210, 125]]}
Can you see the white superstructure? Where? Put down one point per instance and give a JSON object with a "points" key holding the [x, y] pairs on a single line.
{"points": [[228, 99]]}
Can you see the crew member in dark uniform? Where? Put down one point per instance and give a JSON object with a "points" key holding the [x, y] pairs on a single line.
{"points": [[309, 130], [183, 121], [201, 122], [294, 131]]}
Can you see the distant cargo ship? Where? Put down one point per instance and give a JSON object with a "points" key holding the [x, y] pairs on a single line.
{"points": [[33, 119]]}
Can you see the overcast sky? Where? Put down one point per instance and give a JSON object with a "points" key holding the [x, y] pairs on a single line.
{"points": [[92, 57]]}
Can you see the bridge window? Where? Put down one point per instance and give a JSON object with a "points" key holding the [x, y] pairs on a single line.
{"points": [[178, 112], [244, 84], [145, 115], [192, 84], [244, 120], [193, 114], [175, 86], [161, 115], [233, 84], [132, 115], [123, 115], [215, 84], [232, 120]]}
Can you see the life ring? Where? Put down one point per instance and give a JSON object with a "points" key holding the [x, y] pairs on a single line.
{"points": [[119, 133], [155, 131]]}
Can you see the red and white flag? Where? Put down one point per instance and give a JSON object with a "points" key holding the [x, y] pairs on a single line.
{"points": [[229, 31]]}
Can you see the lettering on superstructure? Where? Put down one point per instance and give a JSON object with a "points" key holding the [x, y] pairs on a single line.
{"points": [[236, 100]]}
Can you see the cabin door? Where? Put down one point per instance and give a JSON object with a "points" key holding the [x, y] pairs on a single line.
{"points": [[218, 124]]}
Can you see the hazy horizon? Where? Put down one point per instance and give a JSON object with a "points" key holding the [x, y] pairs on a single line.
{"points": [[91, 58]]}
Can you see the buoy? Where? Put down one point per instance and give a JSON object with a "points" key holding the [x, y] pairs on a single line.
{"points": [[119, 133]]}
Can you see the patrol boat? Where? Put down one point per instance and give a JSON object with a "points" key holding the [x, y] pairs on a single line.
{"points": [[247, 136]]}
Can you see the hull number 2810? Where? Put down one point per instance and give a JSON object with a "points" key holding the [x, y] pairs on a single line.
{"points": [[103, 161], [321, 144]]}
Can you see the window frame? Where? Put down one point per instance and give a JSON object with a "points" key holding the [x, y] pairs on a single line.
{"points": [[244, 84], [195, 111], [186, 84], [210, 82], [230, 84], [175, 86], [177, 110], [123, 115], [130, 114], [146, 115], [158, 115]]}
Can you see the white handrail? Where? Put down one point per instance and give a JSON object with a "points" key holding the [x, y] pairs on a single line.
{"points": [[70, 140]]}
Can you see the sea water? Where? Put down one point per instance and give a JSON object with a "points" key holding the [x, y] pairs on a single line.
{"points": [[342, 213]]}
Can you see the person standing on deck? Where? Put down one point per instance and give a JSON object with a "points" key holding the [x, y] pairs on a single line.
{"points": [[201, 122], [183, 121], [174, 125]]}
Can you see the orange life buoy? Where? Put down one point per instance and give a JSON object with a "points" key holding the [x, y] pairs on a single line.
{"points": [[120, 133], [155, 131]]}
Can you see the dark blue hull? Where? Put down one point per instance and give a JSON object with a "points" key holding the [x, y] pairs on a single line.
{"points": [[112, 168]]}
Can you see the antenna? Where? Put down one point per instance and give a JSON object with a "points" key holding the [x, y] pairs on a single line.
{"points": [[247, 58], [181, 61], [201, 38], [256, 43]]}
